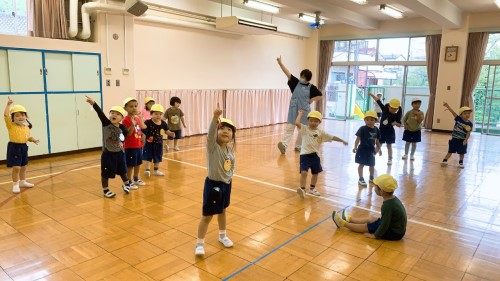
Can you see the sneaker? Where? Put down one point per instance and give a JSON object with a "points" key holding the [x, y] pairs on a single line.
{"points": [[313, 192], [345, 216], [139, 182], [199, 250], [147, 173], [301, 192], [126, 188], [226, 242], [412, 157], [176, 148], [109, 194], [404, 157], [339, 222], [16, 189], [26, 184], [444, 163], [461, 165], [282, 147], [167, 147], [371, 179], [297, 148], [389, 162], [158, 173], [362, 182]]}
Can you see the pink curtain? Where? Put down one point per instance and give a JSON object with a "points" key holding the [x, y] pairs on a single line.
{"points": [[432, 48]]}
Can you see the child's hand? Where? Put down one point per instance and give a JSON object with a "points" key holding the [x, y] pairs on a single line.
{"points": [[90, 100], [301, 111], [396, 124], [279, 60], [217, 111], [345, 143], [170, 134], [465, 142], [369, 235], [445, 104], [185, 127], [34, 140], [9, 101], [139, 114], [354, 150]]}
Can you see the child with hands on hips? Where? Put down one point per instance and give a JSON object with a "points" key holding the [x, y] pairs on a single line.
{"points": [[112, 157], [133, 142], [367, 145], [218, 183], [18, 126], [312, 137]]}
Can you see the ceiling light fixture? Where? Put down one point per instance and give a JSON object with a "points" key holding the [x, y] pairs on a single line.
{"points": [[390, 11], [261, 6], [360, 2], [310, 19]]}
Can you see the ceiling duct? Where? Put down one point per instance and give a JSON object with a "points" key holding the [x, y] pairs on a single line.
{"points": [[245, 26]]}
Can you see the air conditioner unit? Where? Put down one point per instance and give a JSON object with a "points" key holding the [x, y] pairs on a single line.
{"points": [[245, 26]]}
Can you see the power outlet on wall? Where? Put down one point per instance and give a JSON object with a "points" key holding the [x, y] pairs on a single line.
{"points": [[117, 83], [438, 121], [108, 82]]}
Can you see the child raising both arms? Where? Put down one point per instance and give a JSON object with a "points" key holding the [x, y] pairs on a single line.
{"points": [[218, 184], [460, 134], [312, 137], [413, 125], [18, 126], [367, 145], [133, 142], [112, 157]]}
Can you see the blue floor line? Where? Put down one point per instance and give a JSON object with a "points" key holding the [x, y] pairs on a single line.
{"points": [[275, 249]]}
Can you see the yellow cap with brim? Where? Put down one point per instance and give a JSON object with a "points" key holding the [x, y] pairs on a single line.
{"points": [[157, 108], [227, 122], [148, 99], [394, 103], [119, 109], [386, 182], [315, 114], [127, 100], [462, 109], [371, 113], [17, 108]]}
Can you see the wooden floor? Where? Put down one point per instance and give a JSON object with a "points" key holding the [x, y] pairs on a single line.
{"points": [[64, 229]]}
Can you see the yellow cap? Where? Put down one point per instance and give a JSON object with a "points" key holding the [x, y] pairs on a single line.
{"points": [[371, 113], [17, 108], [386, 182], [462, 109], [148, 99], [119, 109], [157, 107], [127, 100], [394, 103], [315, 114], [228, 122]]}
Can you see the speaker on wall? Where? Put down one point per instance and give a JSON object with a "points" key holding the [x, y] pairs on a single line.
{"points": [[136, 7]]}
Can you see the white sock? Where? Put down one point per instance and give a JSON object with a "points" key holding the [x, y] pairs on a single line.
{"points": [[222, 234], [200, 241], [15, 183]]}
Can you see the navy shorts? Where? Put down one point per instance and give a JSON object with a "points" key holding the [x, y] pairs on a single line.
{"points": [[387, 134], [365, 156], [17, 154], [178, 135], [310, 161], [112, 163], [457, 146], [379, 114], [410, 136], [133, 157], [388, 235], [152, 152], [216, 197]]}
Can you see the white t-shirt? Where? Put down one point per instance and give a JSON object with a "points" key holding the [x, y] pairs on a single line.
{"points": [[312, 139]]}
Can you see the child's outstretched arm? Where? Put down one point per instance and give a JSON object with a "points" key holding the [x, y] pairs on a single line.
{"points": [[7, 107], [445, 104], [104, 120], [33, 140], [356, 143], [285, 70], [297, 120], [334, 138], [374, 97]]}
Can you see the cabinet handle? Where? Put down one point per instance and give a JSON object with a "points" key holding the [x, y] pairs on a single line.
{"points": [[46, 71], [40, 71], [97, 72]]}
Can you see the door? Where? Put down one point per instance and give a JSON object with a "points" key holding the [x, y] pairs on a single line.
{"points": [[59, 72], [62, 122], [4, 72], [88, 124], [86, 73], [336, 93], [25, 71]]}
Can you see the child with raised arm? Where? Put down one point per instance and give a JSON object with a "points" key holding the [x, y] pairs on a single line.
{"points": [[18, 126], [392, 224], [413, 125], [312, 137], [391, 116], [133, 142], [218, 184], [460, 134], [112, 157], [366, 146]]}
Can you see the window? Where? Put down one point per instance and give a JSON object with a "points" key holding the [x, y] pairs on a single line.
{"points": [[340, 51], [13, 17], [417, 49], [393, 49], [493, 47]]}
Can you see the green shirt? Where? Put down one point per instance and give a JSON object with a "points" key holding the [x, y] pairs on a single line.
{"points": [[411, 121], [393, 218]]}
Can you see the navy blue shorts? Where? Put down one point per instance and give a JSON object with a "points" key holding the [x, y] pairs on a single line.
{"points": [[133, 157], [387, 134], [216, 197], [388, 235], [152, 152], [310, 161], [178, 135], [379, 114], [410, 136], [112, 163], [17, 154], [457, 146], [365, 156]]}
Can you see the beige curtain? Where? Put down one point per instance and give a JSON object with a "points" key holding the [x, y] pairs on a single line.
{"points": [[325, 61], [48, 19], [476, 47], [432, 49]]}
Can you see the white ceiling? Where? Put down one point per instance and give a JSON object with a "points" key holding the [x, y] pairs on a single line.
{"points": [[446, 13]]}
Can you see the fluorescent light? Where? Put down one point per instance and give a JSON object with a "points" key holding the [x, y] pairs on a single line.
{"points": [[360, 2], [262, 6], [498, 3], [390, 11], [311, 19]]}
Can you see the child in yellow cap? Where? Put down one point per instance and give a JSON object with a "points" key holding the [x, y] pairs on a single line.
{"points": [[392, 224], [218, 184], [391, 116], [367, 145], [312, 137], [460, 135], [146, 111], [18, 126]]}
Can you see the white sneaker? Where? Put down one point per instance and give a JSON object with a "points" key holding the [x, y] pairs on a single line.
{"points": [[133, 186], [444, 163], [199, 250], [139, 182], [404, 157], [16, 189], [158, 173], [362, 182], [461, 165], [389, 162], [412, 157], [313, 192], [147, 173], [301, 192], [176, 148], [26, 184], [167, 147], [226, 242]]}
